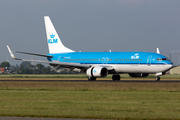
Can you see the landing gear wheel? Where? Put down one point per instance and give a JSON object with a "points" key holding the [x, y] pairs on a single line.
{"points": [[91, 78], [157, 78], [116, 77]]}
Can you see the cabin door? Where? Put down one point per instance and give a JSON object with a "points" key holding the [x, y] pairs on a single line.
{"points": [[59, 58], [149, 60]]}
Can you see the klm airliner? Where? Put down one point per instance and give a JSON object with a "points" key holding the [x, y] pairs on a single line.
{"points": [[100, 64]]}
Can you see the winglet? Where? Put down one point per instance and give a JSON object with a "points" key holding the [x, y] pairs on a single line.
{"points": [[11, 54], [158, 51]]}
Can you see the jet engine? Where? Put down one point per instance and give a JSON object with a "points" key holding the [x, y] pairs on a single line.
{"points": [[138, 74], [97, 72]]}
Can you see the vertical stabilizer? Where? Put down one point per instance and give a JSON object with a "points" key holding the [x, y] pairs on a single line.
{"points": [[54, 43]]}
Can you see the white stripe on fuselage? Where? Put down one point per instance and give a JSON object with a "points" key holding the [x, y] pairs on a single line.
{"points": [[137, 68]]}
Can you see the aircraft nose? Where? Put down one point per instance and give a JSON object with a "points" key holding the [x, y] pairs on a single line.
{"points": [[171, 64]]}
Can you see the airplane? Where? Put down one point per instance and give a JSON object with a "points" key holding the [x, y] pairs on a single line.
{"points": [[99, 64]]}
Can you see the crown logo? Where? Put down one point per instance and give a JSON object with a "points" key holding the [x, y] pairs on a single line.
{"points": [[52, 36]]}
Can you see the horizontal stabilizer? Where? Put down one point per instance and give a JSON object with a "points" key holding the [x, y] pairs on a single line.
{"points": [[35, 54]]}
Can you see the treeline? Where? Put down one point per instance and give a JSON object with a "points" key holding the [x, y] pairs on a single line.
{"points": [[28, 68]]}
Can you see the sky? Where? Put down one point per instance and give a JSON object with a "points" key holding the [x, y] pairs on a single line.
{"points": [[91, 25]]}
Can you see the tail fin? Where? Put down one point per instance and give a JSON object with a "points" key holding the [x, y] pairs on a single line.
{"points": [[54, 43]]}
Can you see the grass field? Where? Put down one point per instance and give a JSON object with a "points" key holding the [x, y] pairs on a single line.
{"points": [[98, 100]]}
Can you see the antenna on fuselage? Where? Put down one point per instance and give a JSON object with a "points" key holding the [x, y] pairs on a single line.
{"points": [[158, 52]]}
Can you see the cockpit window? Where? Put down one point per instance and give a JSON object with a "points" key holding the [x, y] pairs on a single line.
{"points": [[164, 59], [159, 59]]}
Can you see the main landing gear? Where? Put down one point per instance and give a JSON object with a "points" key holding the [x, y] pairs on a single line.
{"points": [[91, 78], [116, 77]]}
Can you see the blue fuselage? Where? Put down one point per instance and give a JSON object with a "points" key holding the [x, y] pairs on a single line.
{"points": [[111, 58]]}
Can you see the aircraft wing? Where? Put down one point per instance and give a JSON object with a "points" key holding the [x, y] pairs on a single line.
{"points": [[66, 64], [35, 54], [60, 64]]}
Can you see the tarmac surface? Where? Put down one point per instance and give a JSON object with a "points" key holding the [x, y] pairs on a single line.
{"points": [[161, 81]]}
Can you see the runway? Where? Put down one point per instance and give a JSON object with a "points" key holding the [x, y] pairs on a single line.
{"points": [[135, 81], [29, 118]]}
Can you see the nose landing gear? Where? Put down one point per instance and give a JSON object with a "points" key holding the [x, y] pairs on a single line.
{"points": [[157, 78], [159, 74]]}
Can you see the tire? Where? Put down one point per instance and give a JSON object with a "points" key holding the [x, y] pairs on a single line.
{"points": [[116, 77], [157, 78]]}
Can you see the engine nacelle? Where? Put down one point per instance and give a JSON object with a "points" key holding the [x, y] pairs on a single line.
{"points": [[97, 72], [138, 74]]}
